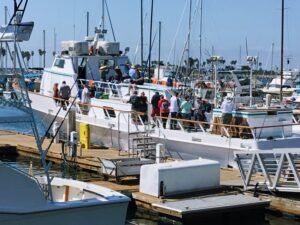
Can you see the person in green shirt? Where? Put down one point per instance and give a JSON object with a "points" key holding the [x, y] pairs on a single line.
{"points": [[186, 110]]}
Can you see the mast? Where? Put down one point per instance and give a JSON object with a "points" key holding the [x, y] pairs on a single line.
{"points": [[87, 23], [142, 36], [272, 58], [189, 39], [150, 41], [159, 47], [103, 15], [282, 46], [44, 48], [201, 26]]}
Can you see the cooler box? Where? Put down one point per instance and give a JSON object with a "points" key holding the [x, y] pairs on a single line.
{"points": [[179, 177], [84, 130], [105, 96]]}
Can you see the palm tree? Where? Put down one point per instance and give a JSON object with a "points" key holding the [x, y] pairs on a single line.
{"points": [[27, 57], [2, 55], [32, 54], [41, 53]]}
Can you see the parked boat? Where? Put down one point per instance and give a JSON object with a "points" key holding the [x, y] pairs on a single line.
{"points": [[22, 200], [110, 118]]}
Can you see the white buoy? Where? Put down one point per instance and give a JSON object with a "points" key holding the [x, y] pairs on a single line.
{"points": [[160, 153]]}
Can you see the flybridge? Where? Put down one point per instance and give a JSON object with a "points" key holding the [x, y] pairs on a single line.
{"points": [[20, 32], [16, 30]]}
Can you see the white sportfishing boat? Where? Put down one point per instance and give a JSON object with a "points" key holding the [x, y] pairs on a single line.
{"points": [[110, 118], [22, 200], [112, 122]]}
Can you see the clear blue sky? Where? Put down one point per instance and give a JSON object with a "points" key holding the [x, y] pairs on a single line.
{"points": [[226, 24]]}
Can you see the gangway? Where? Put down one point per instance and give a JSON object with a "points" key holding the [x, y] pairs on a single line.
{"points": [[274, 170]]}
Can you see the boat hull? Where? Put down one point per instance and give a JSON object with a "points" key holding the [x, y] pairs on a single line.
{"points": [[113, 214]]}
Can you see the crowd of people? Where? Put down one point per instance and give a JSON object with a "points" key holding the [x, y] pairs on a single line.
{"points": [[132, 74], [175, 108]]}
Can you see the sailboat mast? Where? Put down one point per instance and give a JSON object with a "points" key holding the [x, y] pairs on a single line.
{"points": [[189, 40], [159, 48], [201, 26], [150, 41], [103, 16], [282, 46], [142, 35]]}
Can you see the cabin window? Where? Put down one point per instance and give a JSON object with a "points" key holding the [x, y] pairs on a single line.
{"points": [[60, 63], [109, 112]]}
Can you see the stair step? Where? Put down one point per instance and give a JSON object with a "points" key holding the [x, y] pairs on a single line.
{"points": [[146, 144], [141, 138], [137, 133]]}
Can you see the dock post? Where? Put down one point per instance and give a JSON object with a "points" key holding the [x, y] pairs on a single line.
{"points": [[159, 153], [71, 122]]}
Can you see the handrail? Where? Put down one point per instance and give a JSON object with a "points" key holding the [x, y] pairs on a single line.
{"points": [[177, 119]]}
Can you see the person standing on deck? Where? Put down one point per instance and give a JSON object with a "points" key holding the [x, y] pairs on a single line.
{"points": [[155, 109], [85, 99], [174, 109], [135, 102], [186, 110], [55, 93], [227, 107], [163, 106], [64, 93]]}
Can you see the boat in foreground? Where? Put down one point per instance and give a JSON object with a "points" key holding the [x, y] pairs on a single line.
{"points": [[23, 202]]}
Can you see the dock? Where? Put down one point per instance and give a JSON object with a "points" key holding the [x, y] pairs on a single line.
{"points": [[229, 198]]}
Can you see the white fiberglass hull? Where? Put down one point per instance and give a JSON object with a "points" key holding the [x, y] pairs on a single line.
{"points": [[188, 145], [112, 214], [22, 201]]}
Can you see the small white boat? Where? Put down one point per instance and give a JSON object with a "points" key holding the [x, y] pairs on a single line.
{"points": [[23, 202]]}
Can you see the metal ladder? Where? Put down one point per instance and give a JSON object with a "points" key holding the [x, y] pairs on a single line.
{"points": [[275, 170], [141, 144]]}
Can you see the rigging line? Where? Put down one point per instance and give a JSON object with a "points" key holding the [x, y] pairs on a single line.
{"points": [[148, 58], [52, 140], [59, 111], [177, 31], [110, 22], [186, 42]]}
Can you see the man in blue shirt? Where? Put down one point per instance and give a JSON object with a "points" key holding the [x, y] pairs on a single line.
{"points": [[133, 73]]}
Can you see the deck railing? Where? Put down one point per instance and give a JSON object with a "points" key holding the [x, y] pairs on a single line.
{"points": [[186, 125]]}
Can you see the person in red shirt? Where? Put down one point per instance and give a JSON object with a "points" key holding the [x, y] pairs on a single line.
{"points": [[163, 105]]}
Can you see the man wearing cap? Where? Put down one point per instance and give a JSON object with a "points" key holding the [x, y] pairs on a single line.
{"points": [[103, 73]]}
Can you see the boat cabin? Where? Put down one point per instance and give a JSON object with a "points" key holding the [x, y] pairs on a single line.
{"points": [[255, 123]]}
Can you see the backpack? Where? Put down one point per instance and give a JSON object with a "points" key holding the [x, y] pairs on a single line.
{"points": [[164, 105]]}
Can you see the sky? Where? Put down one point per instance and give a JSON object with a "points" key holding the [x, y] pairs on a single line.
{"points": [[226, 26]]}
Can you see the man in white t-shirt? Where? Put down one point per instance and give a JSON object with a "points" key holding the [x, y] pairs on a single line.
{"points": [[85, 99], [174, 109], [227, 108]]}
